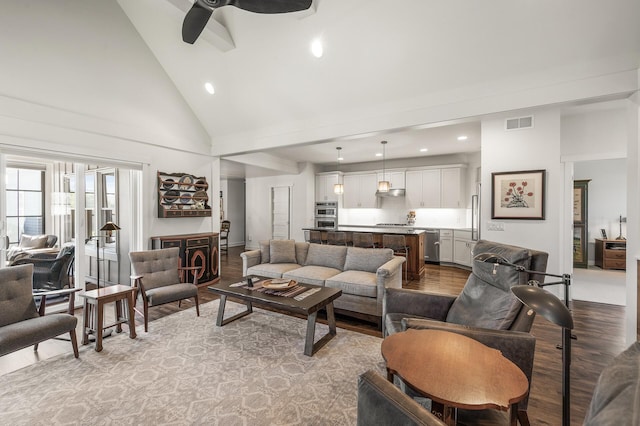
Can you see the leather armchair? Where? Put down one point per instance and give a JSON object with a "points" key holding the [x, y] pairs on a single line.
{"points": [[21, 324], [51, 272], [486, 310], [156, 275]]}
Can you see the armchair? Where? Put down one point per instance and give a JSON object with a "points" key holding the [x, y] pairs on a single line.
{"points": [[21, 324], [51, 272], [486, 310], [156, 275]]}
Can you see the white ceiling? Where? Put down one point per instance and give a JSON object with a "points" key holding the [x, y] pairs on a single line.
{"points": [[379, 56]]}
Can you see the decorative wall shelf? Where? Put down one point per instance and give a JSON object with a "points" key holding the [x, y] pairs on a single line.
{"points": [[182, 195]]}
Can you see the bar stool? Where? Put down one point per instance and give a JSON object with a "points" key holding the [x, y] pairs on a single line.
{"points": [[337, 238], [315, 237], [363, 239], [399, 246]]}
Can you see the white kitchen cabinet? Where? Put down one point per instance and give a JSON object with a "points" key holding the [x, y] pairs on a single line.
{"points": [[395, 178], [360, 191], [423, 188], [446, 245], [463, 247], [324, 186], [452, 193]]}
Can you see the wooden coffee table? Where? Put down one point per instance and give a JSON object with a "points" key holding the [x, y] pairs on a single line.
{"points": [[309, 306], [455, 371]]}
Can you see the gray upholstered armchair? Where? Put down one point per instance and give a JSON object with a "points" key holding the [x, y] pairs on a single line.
{"points": [[21, 324], [156, 274], [486, 310]]}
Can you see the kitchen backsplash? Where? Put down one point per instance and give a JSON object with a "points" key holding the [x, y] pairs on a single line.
{"points": [[425, 218]]}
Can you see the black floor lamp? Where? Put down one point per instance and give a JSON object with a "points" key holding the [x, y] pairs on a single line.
{"points": [[109, 227], [551, 308]]}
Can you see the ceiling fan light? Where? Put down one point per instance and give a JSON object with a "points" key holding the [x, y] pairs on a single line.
{"points": [[338, 188]]}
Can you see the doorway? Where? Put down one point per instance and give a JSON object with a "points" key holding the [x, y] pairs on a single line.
{"points": [[280, 213]]}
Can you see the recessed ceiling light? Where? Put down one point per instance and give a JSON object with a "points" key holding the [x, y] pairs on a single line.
{"points": [[424, 149], [378, 154], [462, 138], [209, 88], [316, 48]]}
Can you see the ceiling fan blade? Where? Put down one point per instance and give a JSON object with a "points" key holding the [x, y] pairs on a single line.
{"points": [[272, 6], [195, 21]]}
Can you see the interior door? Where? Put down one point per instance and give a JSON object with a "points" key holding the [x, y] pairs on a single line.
{"points": [[280, 213]]}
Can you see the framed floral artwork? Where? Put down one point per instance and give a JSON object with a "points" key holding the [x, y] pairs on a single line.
{"points": [[518, 195]]}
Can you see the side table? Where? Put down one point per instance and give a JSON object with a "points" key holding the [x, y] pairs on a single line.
{"points": [[93, 315], [455, 371]]}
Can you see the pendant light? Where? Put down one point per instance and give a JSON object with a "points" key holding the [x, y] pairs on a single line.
{"points": [[383, 185], [338, 188]]}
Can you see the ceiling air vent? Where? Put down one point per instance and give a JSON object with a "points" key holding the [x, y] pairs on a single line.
{"points": [[519, 123]]}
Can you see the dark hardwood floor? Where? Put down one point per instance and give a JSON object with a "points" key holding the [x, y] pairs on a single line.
{"points": [[599, 329]]}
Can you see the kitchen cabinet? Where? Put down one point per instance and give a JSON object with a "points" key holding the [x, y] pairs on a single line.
{"points": [[324, 186], [395, 178], [463, 247], [436, 188], [423, 188], [195, 250], [452, 194], [360, 191], [446, 245]]}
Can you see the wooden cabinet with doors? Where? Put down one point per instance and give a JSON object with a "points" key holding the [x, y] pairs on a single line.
{"points": [[436, 188], [324, 186], [195, 250], [463, 246], [360, 191]]}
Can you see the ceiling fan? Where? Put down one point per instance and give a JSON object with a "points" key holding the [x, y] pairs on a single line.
{"points": [[199, 14]]}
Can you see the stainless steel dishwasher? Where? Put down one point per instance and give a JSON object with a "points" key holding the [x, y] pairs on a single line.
{"points": [[432, 246]]}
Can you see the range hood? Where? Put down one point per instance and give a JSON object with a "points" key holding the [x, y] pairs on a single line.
{"points": [[393, 192]]}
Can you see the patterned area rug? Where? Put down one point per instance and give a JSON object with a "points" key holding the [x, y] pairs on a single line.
{"points": [[188, 371]]}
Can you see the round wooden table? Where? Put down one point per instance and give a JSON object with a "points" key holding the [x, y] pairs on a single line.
{"points": [[454, 371]]}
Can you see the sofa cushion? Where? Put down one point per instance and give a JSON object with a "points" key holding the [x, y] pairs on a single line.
{"points": [[359, 283], [282, 251], [327, 256], [315, 275], [26, 333], [16, 298], [271, 270], [302, 248], [366, 259], [264, 252]]}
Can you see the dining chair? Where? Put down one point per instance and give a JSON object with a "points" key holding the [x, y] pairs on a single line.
{"points": [[363, 239], [315, 237], [337, 238], [225, 227], [398, 244]]}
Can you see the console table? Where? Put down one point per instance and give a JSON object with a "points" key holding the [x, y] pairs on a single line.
{"points": [[195, 250], [611, 254]]}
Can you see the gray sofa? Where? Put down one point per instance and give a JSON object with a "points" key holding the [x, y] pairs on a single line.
{"points": [[616, 398], [361, 274]]}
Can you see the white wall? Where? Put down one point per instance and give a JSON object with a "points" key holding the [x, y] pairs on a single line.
{"points": [[519, 150], [258, 193]]}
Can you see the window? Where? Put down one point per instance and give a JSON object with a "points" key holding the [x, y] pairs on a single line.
{"points": [[25, 202]]}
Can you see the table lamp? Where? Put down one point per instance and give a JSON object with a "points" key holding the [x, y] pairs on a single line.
{"points": [[551, 308]]}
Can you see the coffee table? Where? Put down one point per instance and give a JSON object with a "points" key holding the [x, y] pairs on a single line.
{"points": [[323, 297], [455, 371]]}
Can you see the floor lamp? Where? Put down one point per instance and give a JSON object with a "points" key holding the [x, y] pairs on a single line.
{"points": [[108, 227], [551, 308]]}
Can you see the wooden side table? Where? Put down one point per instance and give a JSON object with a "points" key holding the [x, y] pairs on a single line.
{"points": [[455, 371], [93, 315]]}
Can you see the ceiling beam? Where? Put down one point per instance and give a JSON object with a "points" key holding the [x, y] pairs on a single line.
{"points": [[214, 32], [267, 161]]}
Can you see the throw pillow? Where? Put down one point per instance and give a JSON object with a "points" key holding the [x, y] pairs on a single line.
{"points": [[282, 251], [33, 241], [327, 256], [264, 252], [16, 299], [368, 260]]}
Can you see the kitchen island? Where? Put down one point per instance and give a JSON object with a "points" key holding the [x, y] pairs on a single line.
{"points": [[415, 241]]}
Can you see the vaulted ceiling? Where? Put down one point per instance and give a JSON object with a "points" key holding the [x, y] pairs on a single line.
{"points": [[379, 57]]}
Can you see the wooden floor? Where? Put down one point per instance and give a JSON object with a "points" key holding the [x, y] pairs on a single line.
{"points": [[598, 327]]}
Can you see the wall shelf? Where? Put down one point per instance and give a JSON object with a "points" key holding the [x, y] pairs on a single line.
{"points": [[182, 195]]}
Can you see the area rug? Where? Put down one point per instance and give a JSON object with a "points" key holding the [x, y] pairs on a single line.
{"points": [[186, 370]]}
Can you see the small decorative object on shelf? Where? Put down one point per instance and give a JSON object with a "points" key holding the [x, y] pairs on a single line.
{"points": [[411, 217], [182, 195]]}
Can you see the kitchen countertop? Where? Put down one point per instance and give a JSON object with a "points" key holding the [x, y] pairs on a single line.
{"points": [[408, 227], [404, 230]]}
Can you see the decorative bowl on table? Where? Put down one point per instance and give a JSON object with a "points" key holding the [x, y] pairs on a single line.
{"points": [[279, 284]]}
